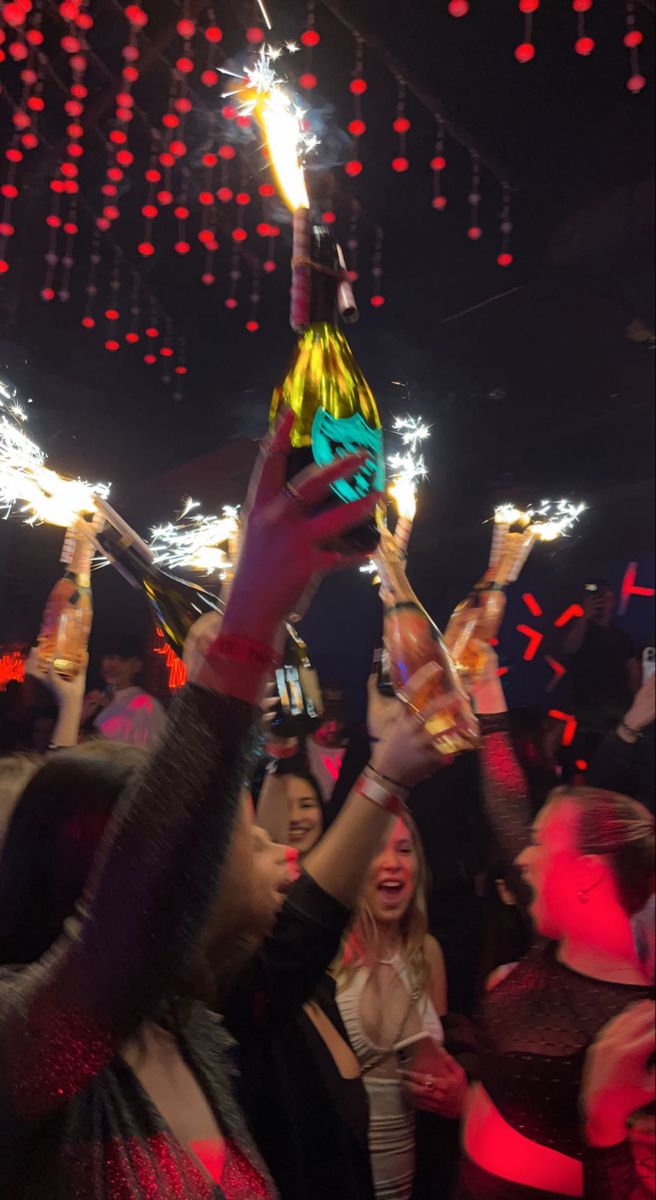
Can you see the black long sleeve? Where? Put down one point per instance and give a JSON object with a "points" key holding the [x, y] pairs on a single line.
{"points": [[611, 1174], [136, 933]]}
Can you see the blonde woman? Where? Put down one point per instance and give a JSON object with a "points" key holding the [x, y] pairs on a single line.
{"points": [[391, 990]]}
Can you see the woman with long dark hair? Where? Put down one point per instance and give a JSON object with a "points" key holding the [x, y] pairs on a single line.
{"points": [[113, 1079]]}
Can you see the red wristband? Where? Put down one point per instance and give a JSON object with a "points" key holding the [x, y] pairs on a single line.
{"points": [[244, 650], [379, 795]]}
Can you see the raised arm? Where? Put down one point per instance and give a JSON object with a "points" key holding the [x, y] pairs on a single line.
{"points": [[158, 873]]}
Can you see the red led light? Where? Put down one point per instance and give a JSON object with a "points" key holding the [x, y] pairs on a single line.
{"points": [[185, 65], [475, 233], [208, 279], [239, 235], [227, 152], [229, 112], [181, 212], [401, 125], [88, 322], [570, 723], [214, 34], [532, 604], [73, 108], [118, 136], [71, 229], [377, 301], [310, 37], [581, 6], [529, 6], [242, 198], [21, 120], [329, 218], [18, 51], [636, 83], [132, 338], [53, 221], [255, 35], [178, 147], [308, 81], [633, 38], [115, 173], [505, 259], [166, 351], [36, 104], [9, 190], [166, 159], [68, 170], [165, 197], [149, 211], [535, 639], [438, 163], [125, 158], [103, 223], [47, 293], [182, 370], [152, 176], [130, 74], [440, 203], [584, 46], [205, 235], [30, 141], [74, 150], [266, 190], [170, 121], [111, 344], [150, 359], [136, 16], [252, 326], [225, 195], [357, 128], [525, 52], [69, 10], [146, 249], [209, 160], [14, 155], [152, 331], [269, 266], [400, 165], [263, 229], [231, 302], [183, 104], [206, 198], [358, 86], [182, 247], [6, 229], [186, 28], [353, 168], [458, 8], [14, 15]]}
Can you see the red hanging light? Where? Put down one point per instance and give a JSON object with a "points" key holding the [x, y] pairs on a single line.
{"points": [[310, 39], [458, 8], [475, 233], [253, 324], [584, 44], [505, 257], [401, 163], [633, 39], [438, 165], [213, 36], [525, 51], [358, 126], [377, 298]]}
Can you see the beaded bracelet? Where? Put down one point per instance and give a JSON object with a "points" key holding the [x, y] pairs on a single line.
{"points": [[244, 650]]}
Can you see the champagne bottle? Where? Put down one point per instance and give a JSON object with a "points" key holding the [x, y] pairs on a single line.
{"points": [[411, 640], [68, 614], [335, 410], [381, 669], [174, 603], [476, 621], [300, 704]]}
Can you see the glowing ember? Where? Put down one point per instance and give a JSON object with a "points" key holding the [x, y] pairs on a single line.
{"points": [[28, 484], [262, 95], [197, 542], [551, 520]]}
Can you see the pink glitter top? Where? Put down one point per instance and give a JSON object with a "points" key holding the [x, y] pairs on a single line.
{"points": [[75, 1124]]}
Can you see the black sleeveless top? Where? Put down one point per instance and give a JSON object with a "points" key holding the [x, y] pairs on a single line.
{"points": [[535, 1030]]}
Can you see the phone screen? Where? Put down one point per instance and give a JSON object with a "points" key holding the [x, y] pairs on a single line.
{"points": [[648, 664]]}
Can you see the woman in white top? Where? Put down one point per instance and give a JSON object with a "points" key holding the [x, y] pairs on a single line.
{"points": [[391, 987]]}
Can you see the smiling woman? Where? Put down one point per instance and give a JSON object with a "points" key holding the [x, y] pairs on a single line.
{"points": [[290, 807]]}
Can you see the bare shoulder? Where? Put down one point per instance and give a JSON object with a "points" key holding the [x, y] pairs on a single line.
{"points": [[499, 975], [433, 952]]}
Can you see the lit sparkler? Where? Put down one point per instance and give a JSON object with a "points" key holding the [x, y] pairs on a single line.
{"points": [[408, 470], [196, 542], [265, 14], [516, 531], [27, 484]]}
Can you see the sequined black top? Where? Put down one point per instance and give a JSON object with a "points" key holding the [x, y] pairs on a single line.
{"points": [[75, 1124], [535, 1030]]}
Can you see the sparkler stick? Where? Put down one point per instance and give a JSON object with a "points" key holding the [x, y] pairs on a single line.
{"points": [[265, 14], [407, 469]]}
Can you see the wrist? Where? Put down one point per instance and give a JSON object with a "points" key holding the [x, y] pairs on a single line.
{"points": [[602, 1132], [386, 797], [246, 616]]}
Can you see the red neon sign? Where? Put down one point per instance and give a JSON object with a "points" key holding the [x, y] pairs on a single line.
{"points": [[532, 604], [12, 668], [570, 723], [535, 639], [570, 614], [629, 587], [175, 666]]}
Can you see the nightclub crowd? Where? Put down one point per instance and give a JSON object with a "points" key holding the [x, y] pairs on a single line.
{"points": [[343, 967]]}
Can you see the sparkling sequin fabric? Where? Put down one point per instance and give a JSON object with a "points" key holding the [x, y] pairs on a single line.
{"points": [[74, 1122], [536, 1027]]}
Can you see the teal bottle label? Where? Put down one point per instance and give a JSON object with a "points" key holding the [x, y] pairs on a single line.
{"points": [[333, 439]]}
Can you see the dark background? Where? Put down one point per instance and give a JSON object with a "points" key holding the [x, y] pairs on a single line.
{"points": [[537, 380]]}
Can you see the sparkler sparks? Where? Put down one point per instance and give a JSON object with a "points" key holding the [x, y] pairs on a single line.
{"points": [[262, 95], [408, 468], [196, 542], [265, 14], [551, 520], [28, 484]]}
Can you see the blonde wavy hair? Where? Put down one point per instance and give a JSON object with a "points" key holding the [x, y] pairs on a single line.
{"points": [[359, 944]]}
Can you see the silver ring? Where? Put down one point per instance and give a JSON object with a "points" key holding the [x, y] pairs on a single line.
{"points": [[295, 495]]}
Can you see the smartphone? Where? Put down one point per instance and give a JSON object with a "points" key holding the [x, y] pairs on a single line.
{"points": [[592, 587], [421, 1053], [648, 664]]}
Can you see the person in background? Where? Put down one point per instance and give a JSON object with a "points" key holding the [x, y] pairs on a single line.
{"points": [[326, 747], [391, 987], [290, 805], [122, 711], [603, 666], [16, 770], [624, 762], [619, 1079]]}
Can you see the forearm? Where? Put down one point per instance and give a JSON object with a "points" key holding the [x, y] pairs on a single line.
{"points": [[505, 794], [574, 638], [610, 1173], [340, 862], [157, 876], [67, 728]]}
